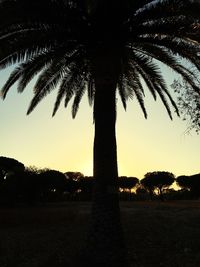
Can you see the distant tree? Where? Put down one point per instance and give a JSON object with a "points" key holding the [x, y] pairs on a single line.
{"points": [[10, 170], [51, 181], [73, 181], [183, 182], [148, 186], [74, 175], [8, 189], [34, 169], [141, 190], [191, 182], [195, 185], [127, 183], [86, 186], [158, 180], [10, 165], [1, 176], [28, 186]]}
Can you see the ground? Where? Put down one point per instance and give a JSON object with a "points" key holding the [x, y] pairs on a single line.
{"points": [[157, 234]]}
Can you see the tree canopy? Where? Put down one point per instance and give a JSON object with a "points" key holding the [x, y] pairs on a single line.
{"points": [[158, 179], [191, 182], [11, 165]]}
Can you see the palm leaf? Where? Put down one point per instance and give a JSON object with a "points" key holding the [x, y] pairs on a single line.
{"points": [[67, 88], [14, 76], [47, 81], [122, 90], [78, 96], [90, 89]]}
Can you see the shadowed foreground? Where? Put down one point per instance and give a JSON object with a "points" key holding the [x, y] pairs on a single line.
{"points": [[157, 234]]}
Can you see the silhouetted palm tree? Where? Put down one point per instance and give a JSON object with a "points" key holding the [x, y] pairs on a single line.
{"points": [[100, 46]]}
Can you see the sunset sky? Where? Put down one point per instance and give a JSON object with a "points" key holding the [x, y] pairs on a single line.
{"points": [[61, 143]]}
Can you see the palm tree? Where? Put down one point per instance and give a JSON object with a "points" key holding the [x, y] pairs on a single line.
{"points": [[102, 47]]}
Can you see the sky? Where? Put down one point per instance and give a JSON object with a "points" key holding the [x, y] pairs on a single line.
{"points": [[66, 144]]}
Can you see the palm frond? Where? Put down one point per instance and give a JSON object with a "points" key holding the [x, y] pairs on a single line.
{"points": [[65, 89], [134, 85], [78, 96], [174, 46], [16, 11], [47, 81], [148, 71], [90, 89], [139, 95], [152, 76], [165, 90], [147, 79], [14, 76], [21, 52], [73, 79], [168, 18], [164, 100], [32, 67], [28, 44], [122, 90], [167, 8], [179, 26], [161, 54]]}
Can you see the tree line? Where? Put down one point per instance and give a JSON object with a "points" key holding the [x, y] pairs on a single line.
{"points": [[31, 185]]}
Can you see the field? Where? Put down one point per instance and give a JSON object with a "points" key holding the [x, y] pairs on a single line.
{"points": [[157, 234]]}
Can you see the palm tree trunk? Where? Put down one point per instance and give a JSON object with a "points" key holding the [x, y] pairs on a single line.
{"points": [[105, 240]]}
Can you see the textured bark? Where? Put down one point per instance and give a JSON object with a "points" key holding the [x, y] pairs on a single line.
{"points": [[105, 243]]}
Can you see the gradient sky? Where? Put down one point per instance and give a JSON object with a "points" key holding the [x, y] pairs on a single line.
{"points": [[61, 143]]}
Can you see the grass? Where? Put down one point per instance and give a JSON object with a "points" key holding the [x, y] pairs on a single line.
{"points": [[157, 234]]}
